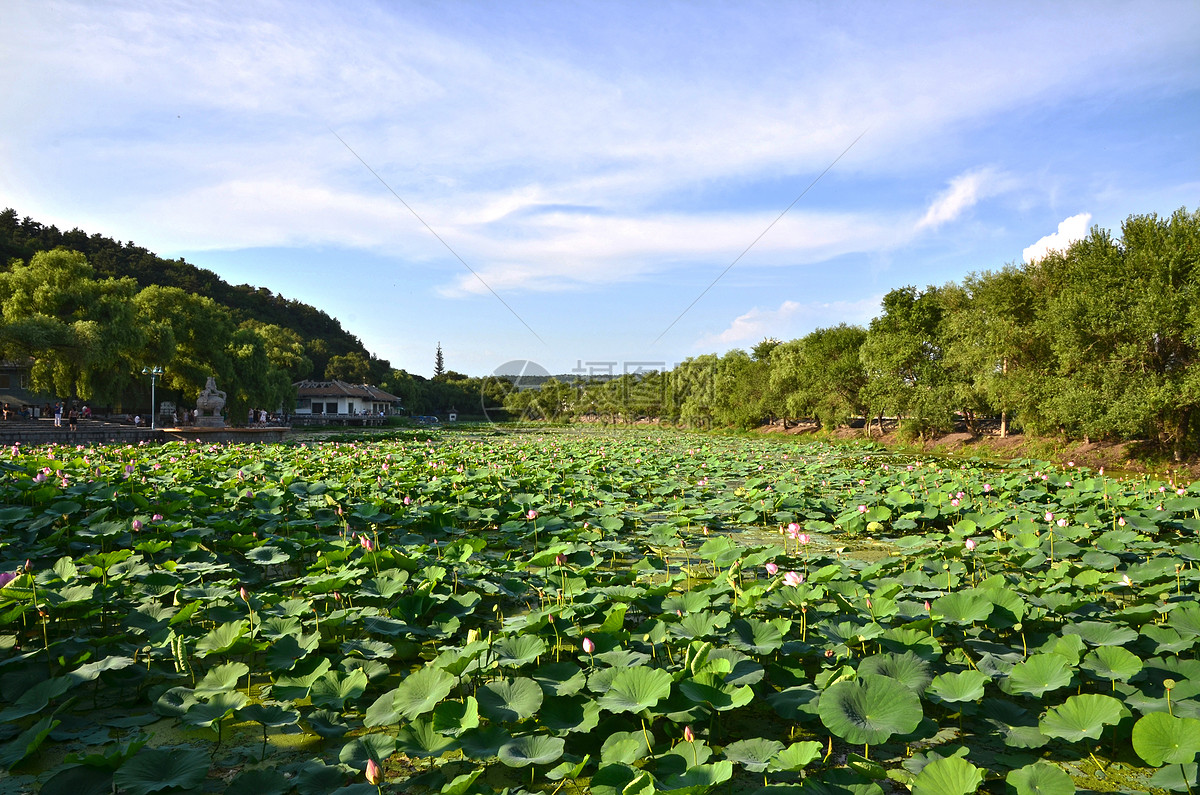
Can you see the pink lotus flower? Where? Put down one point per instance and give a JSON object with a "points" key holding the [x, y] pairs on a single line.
{"points": [[772, 569], [588, 646], [954, 502], [793, 529], [560, 559], [862, 509], [373, 773], [987, 487], [137, 525], [408, 500], [158, 517], [366, 544], [969, 544], [803, 538], [1049, 516], [793, 578], [8, 576], [531, 515], [1062, 522]]}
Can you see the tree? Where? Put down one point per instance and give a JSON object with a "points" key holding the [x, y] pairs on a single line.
{"points": [[81, 332], [902, 356], [353, 368], [821, 375], [439, 363]]}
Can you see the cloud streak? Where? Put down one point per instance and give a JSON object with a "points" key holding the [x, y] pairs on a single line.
{"points": [[791, 319]]}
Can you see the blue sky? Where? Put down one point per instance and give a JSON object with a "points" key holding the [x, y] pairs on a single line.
{"points": [[598, 164]]}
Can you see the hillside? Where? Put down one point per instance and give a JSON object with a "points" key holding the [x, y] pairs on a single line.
{"points": [[21, 238]]}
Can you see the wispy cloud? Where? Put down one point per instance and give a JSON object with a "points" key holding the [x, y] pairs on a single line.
{"points": [[1069, 230], [790, 320], [963, 193]]}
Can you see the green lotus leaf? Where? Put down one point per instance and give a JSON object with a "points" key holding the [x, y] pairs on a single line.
{"points": [[360, 750], [216, 709], [516, 651], [327, 723], [26, 742], [221, 639], [1082, 716], [221, 678], [958, 687], [273, 715], [484, 742], [625, 747], [796, 756], [259, 782], [531, 749], [79, 780], [758, 637], [287, 650], [908, 669], [1038, 674], [317, 778], [869, 710], [753, 754], [420, 739], [334, 689], [268, 555], [1175, 778], [711, 689], [1040, 778], [962, 607], [1102, 633], [36, 698], [158, 769], [636, 689], [560, 679], [567, 714], [698, 779], [1185, 619], [949, 775], [1112, 663], [1160, 738], [453, 717], [421, 691], [509, 700], [461, 785], [90, 671]]}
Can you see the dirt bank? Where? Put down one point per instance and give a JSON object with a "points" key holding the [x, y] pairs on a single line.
{"points": [[1134, 456]]}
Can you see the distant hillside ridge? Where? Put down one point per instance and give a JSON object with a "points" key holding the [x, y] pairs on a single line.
{"points": [[21, 238]]}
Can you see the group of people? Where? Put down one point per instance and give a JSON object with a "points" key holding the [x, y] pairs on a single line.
{"points": [[71, 413], [261, 418]]}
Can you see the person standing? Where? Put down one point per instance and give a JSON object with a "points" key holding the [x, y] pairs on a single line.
{"points": [[58, 407], [73, 419]]}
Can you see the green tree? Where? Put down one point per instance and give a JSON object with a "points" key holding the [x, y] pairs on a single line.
{"points": [[353, 368], [822, 375], [81, 332], [902, 356]]}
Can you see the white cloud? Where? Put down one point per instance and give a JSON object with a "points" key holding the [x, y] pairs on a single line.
{"points": [[1070, 230], [964, 192], [791, 320]]}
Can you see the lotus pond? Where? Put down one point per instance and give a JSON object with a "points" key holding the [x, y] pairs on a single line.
{"points": [[584, 611]]}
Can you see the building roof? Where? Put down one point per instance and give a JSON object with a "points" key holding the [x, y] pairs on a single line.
{"points": [[336, 389]]}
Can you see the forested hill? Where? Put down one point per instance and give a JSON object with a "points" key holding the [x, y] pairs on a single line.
{"points": [[323, 335]]}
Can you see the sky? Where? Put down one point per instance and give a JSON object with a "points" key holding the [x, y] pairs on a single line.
{"points": [[601, 186]]}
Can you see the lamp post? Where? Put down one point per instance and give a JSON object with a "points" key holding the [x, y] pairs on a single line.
{"points": [[154, 373]]}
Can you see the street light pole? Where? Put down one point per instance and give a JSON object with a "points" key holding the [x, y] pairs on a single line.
{"points": [[154, 373]]}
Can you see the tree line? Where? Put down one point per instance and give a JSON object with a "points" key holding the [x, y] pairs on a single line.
{"points": [[1096, 342]]}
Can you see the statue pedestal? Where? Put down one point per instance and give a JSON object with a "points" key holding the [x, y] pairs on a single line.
{"points": [[209, 403]]}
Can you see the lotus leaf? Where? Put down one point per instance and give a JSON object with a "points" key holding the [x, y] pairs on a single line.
{"points": [[158, 769], [1160, 738], [1040, 778], [420, 692], [1112, 663], [636, 689], [1037, 675], [510, 700], [531, 749], [958, 687], [869, 710], [754, 754], [1082, 716], [908, 669], [949, 775]]}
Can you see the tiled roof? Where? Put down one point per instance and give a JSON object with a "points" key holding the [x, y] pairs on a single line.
{"points": [[326, 389]]}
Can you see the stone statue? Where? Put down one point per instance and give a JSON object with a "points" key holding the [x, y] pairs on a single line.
{"points": [[209, 403]]}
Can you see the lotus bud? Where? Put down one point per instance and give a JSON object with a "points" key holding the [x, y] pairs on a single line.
{"points": [[137, 525], [531, 515], [588, 646], [772, 569], [560, 559], [242, 592], [969, 544], [373, 773], [689, 735]]}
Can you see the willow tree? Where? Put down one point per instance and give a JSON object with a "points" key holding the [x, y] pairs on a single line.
{"points": [[82, 333]]}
